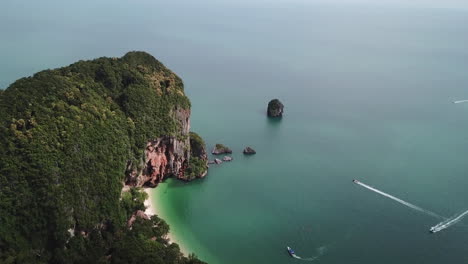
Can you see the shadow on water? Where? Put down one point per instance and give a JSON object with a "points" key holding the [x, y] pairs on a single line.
{"points": [[273, 127], [274, 121], [175, 183]]}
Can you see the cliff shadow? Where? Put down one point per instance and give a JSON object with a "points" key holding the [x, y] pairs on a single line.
{"points": [[173, 182]]}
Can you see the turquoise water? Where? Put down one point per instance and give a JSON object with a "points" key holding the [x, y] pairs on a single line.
{"points": [[368, 93]]}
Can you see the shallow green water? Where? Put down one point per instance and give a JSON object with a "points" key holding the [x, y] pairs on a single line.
{"points": [[368, 93]]}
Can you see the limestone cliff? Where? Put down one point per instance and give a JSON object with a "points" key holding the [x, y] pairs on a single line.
{"points": [[168, 155]]}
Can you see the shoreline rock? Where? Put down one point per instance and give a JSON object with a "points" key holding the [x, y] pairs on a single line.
{"points": [[227, 158], [218, 161]]}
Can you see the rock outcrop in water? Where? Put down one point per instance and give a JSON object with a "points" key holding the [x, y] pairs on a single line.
{"points": [[221, 149], [275, 108], [249, 151]]}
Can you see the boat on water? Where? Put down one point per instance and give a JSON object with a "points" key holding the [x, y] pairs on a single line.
{"points": [[433, 230], [291, 251]]}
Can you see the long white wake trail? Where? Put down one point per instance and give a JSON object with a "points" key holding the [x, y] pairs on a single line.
{"points": [[460, 101], [412, 206], [442, 225]]}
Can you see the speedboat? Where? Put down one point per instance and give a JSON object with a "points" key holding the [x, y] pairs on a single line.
{"points": [[290, 251], [355, 181], [432, 230]]}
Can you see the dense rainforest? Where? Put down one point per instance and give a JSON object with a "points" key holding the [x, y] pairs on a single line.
{"points": [[67, 136]]}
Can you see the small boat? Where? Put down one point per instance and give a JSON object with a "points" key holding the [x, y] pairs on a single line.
{"points": [[433, 230], [291, 252]]}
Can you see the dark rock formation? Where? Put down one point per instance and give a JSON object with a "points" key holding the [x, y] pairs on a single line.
{"points": [[249, 151], [221, 149], [275, 108], [227, 158]]}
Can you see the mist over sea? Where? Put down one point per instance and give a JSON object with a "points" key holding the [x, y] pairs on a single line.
{"points": [[368, 93]]}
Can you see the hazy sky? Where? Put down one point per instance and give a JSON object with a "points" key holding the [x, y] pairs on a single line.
{"points": [[416, 3], [403, 3]]}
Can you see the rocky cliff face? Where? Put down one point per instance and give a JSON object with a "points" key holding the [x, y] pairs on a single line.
{"points": [[165, 156]]}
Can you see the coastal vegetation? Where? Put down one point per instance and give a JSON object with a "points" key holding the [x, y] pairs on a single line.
{"points": [[196, 167], [198, 164], [197, 145], [67, 136]]}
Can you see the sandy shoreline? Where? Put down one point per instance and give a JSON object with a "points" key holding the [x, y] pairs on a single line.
{"points": [[153, 206]]}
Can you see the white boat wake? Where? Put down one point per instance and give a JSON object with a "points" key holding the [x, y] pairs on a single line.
{"points": [[447, 223], [320, 250], [412, 206], [460, 101]]}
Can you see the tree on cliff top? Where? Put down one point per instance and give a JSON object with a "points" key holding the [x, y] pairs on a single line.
{"points": [[66, 136]]}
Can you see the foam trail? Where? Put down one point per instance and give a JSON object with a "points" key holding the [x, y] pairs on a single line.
{"points": [[320, 250], [307, 259], [412, 206], [460, 101], [447, 223]]}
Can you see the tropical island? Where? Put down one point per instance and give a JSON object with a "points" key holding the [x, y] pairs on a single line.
{"points": [[77, 145]]}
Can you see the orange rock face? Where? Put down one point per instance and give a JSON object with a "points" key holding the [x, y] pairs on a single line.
{"points": [[164, 156], [157, 160]]}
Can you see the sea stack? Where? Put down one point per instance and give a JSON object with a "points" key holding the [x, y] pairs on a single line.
{"points": [[275, 108]]}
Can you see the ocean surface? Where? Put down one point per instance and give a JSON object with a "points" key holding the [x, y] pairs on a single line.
{"points": [[368, 93]]}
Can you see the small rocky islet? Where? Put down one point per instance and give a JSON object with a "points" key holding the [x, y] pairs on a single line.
{"points": [[222, 149], [275, 108], [249, 151]]}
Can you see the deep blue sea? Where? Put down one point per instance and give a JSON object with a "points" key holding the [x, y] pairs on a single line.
{"points": [[368, 93]]}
